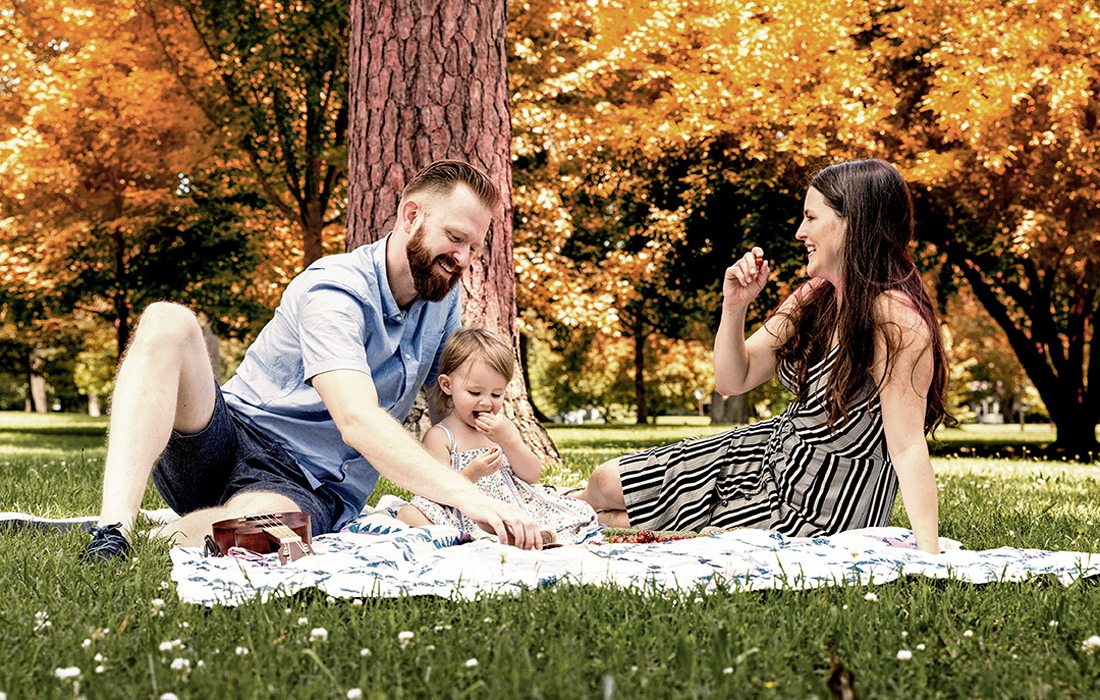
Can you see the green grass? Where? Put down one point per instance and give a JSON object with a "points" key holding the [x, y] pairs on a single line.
{"points": [[562, 643]]}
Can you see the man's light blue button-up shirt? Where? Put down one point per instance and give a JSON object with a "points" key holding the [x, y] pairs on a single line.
{"points": [[339, 314]]}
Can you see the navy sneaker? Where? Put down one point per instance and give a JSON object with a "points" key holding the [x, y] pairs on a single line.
{"points": [[107, 544]]}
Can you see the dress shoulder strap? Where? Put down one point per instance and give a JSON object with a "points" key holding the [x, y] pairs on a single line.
{"points": [[454, 448]]}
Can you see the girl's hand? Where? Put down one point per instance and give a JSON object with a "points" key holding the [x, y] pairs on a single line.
{"points": [[745, 278], [484, 464], [498, 428]]}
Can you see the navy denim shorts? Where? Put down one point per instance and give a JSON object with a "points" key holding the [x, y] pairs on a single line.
{"points": [[230, 456]]}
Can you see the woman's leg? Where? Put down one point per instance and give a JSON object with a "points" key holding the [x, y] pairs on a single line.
{"points": [[605, 494]]}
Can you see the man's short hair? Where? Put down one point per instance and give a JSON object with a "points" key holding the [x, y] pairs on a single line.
{"points": [[443, 175]]}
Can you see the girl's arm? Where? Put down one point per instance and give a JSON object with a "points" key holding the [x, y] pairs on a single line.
{"points": [[503, 432], [903, 397], [437, 444]]}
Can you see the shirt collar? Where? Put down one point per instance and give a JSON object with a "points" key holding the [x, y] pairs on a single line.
{"points": [[390, 310]]}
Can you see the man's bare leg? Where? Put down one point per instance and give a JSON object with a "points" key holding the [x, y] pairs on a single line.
{"points": [[165, 382], [190, 530], [604, 493]]}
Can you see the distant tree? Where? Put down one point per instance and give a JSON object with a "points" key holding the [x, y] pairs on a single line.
{"points": [[272, 80]]}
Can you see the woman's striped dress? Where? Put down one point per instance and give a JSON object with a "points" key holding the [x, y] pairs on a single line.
{"points": [[792, 474]]}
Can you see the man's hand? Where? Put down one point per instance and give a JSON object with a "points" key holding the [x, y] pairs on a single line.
{"points": [[498, 428], [510, 524], [484, 464]]}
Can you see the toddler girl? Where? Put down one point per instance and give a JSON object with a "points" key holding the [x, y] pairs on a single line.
{"points": [[477, 440]]}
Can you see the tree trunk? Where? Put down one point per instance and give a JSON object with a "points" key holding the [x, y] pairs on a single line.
{"points": [[313, 226], [93, 406], [36, 384], [640, 399], [725, 410], [523, 359], [428, 81]]}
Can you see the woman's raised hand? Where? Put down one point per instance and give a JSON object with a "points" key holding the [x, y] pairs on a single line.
{"points": [[745, 278]]}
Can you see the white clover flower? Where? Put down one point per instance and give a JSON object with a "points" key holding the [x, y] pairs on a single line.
{"points": [[181, 664], [41, 621], [330, 600], [871, 596], [430, 647], [364, 652], [357, 602], [241, 651], [728, 670], [169, 696], [355, 694], [904, 654], [904, 634], [184, 624], [1052, 624], [157, 603], [968, 633], [487, 620], [471, 663], [3, 695], [99, 658], [86, 643], [100, 668], [303, 621], [698, 600], [164, 585], [920, 647], [1091, 644], [200, 663], [403, 638], [171, 645], [318, 634], [68, 673]]}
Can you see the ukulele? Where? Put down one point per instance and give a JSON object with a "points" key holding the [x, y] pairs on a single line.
{"points": [[285, 533]]}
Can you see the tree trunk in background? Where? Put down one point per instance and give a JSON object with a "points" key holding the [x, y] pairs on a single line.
{"points": [[640, 399], [428, 81], [729, 409], [36, 385]]}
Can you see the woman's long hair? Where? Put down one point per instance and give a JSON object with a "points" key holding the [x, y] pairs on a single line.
{"points": [[877, 209]]}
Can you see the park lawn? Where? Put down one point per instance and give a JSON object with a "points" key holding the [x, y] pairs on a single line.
{"points": [[1002, 640]]}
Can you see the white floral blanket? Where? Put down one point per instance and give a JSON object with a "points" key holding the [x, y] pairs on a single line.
{"points": [[379, 561]]}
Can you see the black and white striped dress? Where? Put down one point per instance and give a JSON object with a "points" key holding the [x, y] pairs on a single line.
{"points": [[792, 474]]}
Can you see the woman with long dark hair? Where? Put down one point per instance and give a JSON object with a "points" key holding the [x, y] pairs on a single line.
{"points": [[858, 345]]}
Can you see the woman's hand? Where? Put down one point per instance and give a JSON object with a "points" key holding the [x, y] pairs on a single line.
{"points": [[484, 464], [744, 279]]}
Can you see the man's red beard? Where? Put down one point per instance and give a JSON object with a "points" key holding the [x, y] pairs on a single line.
{"points": [[430, 274]]}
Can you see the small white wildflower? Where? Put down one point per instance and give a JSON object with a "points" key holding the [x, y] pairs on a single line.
{"points": [[158, 603], [920, 647], [871, 596], [68, 673], [241, 651], [698, 600], [318, 634], [904, 654], [904, 634], [172, 645], [169, 696], [437, 628], [164, 585], [403, 638], [471, 663], [844, 607], [487, 620], [968, 633], [100, 668], [728, 670], [330, 600], [1052, 624], [41, 621], [86, 643], [1091, 644], [364, 652], [184, 624], [100, 658], [355, 694], [357, 602], [181, 664], [200, 663], [303, 621], [633, 669], [430, 647]]}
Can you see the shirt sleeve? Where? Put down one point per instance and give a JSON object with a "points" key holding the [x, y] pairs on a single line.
{"points": [[332, 326]]}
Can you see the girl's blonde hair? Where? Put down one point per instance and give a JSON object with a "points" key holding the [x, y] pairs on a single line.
{"points": [[465, 345]]}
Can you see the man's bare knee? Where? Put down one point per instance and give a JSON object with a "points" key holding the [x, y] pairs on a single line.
{"points": [[165, 326], [257, 503]]}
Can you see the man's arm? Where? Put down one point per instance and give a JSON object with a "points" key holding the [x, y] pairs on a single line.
{"points": [[352, 401]]}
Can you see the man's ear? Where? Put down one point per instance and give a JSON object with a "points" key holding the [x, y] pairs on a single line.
{"points": [[445, 384], [410, 210]]}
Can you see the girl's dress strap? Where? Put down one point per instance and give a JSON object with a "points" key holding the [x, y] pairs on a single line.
{"points": [[454, 451]]}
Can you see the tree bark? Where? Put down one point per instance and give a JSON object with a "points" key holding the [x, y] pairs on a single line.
{"points": [[428, 81], [725, 410], [641, 402]]}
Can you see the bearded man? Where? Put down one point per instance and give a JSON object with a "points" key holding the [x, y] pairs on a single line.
{"points": [[312, 416]]}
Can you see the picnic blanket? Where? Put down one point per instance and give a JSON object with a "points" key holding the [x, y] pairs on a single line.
{"points": [[368, 560]]}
